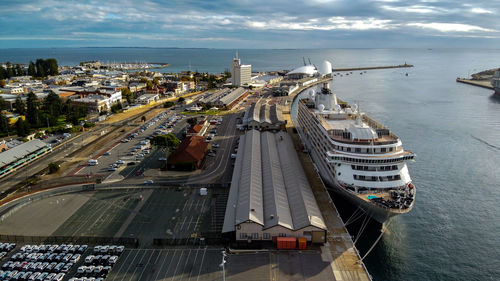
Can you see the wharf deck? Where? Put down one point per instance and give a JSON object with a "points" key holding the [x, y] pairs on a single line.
{"points": [[339, 249]]}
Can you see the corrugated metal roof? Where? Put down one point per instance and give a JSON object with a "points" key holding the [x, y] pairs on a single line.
{"points": [[276, 208], [232, 96], [264, 114], [20, 151], [269, 186], [230, 216], [305, 210], [250, 195]]}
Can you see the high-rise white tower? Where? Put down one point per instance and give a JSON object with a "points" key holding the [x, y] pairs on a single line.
{"points": [[241, 74]]}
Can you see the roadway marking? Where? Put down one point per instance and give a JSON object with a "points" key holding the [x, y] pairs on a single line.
{"points": [[122, 264], [194, 263], [143, 266], [201, 264], [170, 263], [159, 269], [178, 262], [130, 264]]}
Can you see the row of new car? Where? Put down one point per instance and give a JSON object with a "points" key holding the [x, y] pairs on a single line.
{"points": [[5, 248], [40, 266], [31, 276], [54, 248]]}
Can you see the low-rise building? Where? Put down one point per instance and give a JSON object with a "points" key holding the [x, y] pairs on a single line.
{"points": [[262, 116], [20, 155], [189, 155], [147, 98]]}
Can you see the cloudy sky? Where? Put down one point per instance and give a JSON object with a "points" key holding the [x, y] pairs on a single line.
{"points": [[250, 23]]}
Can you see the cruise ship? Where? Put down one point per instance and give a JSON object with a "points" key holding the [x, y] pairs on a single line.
{"points": [[357, 157], [495, 81]]}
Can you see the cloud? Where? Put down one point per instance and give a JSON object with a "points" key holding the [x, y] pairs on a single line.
{"points": [[480, 11], [450, 27], [420, 9], [230, 23]]}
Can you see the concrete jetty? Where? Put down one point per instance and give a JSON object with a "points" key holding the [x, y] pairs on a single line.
{"points": [[479, 83], [339, 249]]}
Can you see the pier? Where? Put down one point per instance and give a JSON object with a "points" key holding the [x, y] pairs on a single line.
{"points": [[479, 83], [373, 67], [339, 249]]}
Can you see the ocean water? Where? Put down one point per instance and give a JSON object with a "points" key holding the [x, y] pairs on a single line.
{"points": [[453, 232]]}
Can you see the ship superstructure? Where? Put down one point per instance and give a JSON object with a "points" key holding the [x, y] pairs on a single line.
{"points": [[356, 156]]}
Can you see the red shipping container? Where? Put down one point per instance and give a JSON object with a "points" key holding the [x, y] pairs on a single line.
{"points": [[302, 243], [287, 242]]}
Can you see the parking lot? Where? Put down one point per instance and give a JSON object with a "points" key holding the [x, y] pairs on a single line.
{"points": [[202, 263], [125, 150], [164, 213], [58, 262]]}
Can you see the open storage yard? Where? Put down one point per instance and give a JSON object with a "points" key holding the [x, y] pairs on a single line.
{"points": [[163, 213]]}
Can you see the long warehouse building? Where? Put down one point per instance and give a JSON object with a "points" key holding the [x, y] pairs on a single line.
{"points": [[270, 195], [22, 154]]}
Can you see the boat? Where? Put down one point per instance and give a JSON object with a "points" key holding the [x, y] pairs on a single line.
{"points": [[357, 158], [495, 81]]}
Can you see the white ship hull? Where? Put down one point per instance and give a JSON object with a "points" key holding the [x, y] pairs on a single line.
{"points": [[377, 213]]}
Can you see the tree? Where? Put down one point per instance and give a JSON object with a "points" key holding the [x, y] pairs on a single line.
{"points": [[181, 100], [40, 69], [22, 127], [4, 123], [166, 141], [143, 118], [168, 104], [2, 83], [156, 81], [31, 69], [3, 73], [117, 107], [52, 67], [227, 73], [149, 85], [19, 70], [32, 110], [192, 121], [19, 106], [3, 104], [53, 167], [53, 105], [128, 95]]}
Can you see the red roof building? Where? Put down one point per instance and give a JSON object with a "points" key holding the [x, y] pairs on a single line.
{"points": [[189, 154]]}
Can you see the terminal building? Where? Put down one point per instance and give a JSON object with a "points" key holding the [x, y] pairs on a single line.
{"points": [[270, 196], [262, 116], [241, 74], [22, 154]]}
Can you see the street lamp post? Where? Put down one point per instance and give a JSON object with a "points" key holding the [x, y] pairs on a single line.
{"points": [[224, 255]]}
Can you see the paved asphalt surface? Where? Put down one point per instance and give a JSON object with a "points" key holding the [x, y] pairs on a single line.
{"points": [[123, 152]]}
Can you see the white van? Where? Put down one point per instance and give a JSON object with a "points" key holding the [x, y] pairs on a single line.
{"points": [[93, 162]]}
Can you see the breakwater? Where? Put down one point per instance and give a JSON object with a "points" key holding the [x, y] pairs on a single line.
{"points": [[373, 67]]}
